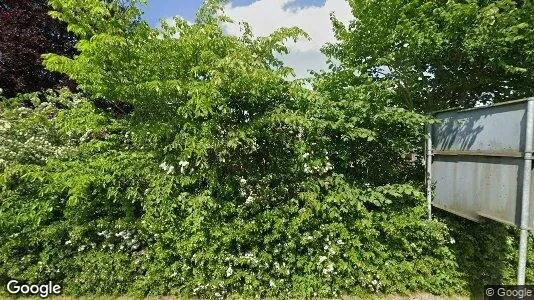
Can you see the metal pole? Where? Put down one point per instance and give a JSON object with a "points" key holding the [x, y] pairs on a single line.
{"points": [[525, 195], [429, 170]]}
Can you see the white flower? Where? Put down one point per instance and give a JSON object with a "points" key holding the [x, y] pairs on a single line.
{"points": [[307, 168], [242, 180], [306, 155], [170, 170], [183, 164], [452, 241], [329, 269], [5, 125], [85, 136], [68, 242], [250, 256], [300, 133], [229, 271], [322, 258], [249, 200], [104, 233], [164, 166], [200, 287]]}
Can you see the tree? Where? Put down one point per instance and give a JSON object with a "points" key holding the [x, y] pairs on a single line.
{"points": [[225, 179], [430, 55], [27, 32], [439, 54]]}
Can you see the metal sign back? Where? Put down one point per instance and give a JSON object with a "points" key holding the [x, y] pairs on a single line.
{"points": [[480, 161], [477, 159]]}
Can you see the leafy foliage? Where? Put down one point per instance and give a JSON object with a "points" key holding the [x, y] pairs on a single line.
{"points": [[487, 252], [225, 178], [439, 54], [431, 55], [26, 32], [102, 217]]}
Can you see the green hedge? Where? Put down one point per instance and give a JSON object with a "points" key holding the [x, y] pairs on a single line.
{"points": [[105, 217], [222, 177]]}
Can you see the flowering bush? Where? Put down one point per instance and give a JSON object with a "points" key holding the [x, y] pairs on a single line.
{"points": [[27, 133], [226, 179]]}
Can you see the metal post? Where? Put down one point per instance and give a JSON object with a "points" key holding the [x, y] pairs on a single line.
{"points": [[429, 170], [525, 195]]}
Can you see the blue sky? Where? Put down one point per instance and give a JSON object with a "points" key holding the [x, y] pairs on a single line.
{"points": [[160, 9], [264, 17]]}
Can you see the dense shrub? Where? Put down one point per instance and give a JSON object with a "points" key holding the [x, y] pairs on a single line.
{"points": [[225, 178], [440, 54], [270, 216]]}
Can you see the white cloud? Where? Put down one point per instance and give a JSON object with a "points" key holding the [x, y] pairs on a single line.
{"points": [[303, 62], [265, 16]]}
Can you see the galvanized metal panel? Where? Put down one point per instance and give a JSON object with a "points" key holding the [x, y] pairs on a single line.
{"points": [[475, 186], [496, 128], [477, 162]]}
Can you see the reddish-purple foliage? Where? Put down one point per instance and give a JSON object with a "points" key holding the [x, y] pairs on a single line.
{"points": [[26, 32]]}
